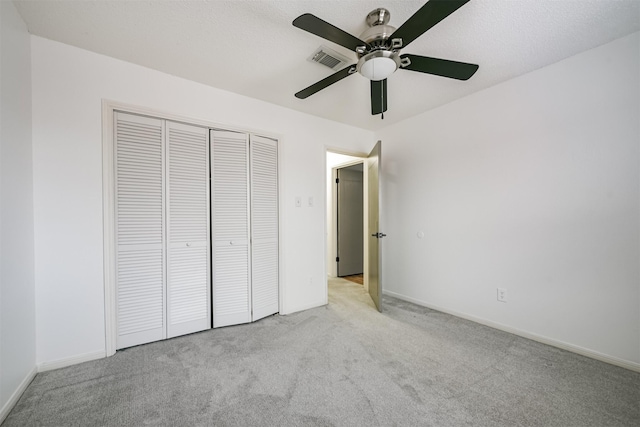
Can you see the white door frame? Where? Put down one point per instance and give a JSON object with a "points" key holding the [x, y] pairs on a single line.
{"points": [[108, 203]]}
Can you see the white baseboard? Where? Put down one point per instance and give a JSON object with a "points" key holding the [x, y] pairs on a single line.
{"points": [[4, 412], [632, 366], [68, 361], [43, 367], [304, 307]]}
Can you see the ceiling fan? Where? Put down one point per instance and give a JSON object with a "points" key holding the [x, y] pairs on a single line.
{"points": [[378, 49]]}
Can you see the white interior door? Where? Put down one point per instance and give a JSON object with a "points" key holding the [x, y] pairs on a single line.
{"points": [[264, 226], [230, 228], [188, 285], [373, 271], [139, 230]]}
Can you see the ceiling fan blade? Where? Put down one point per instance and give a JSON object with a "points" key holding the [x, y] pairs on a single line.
{"points": [[425, 18], [320, 28], [333, 78], [440, 67], [378, 96]]}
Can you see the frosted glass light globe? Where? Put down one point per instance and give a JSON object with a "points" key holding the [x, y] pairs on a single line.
{"points": [[378, 68]]}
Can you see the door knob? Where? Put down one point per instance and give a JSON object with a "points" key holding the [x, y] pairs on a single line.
{"points": [[378, 235]]}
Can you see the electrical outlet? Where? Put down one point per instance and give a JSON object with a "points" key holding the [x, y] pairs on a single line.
{"points": [[502, 295], [310, 201], [298, 201]]}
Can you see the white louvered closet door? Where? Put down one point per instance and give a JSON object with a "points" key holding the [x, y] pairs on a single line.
{"points": [[188, 285], [264, 226], [139, 208], [230, 220]]}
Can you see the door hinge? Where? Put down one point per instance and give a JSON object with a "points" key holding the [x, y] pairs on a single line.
{"points": [[337, 259], [337, 180]]}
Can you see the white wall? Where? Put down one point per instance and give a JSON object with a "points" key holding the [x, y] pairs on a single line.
{"points": [[532, 185], [17, 288], [68, 86]]}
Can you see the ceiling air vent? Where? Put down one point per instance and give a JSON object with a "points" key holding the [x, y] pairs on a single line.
{"points": [[329, 58]]}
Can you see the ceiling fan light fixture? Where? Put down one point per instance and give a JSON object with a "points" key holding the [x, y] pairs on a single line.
{"points": [[378, 65], [378, 49]]}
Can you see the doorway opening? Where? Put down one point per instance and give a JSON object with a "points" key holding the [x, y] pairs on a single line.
{"points": [[349, 220], [361, 172], [346, 216]]}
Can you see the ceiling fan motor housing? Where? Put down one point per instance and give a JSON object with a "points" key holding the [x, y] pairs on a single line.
{"points": [[382, 59], [378, 32], [377, 36]]}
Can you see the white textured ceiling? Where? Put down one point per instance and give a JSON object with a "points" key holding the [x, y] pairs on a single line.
{"points": [[251, 48]]}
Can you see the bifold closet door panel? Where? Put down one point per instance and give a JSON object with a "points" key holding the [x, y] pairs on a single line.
{"points": [[188, 285], [264, 226], [139, 210], [230, 228]]}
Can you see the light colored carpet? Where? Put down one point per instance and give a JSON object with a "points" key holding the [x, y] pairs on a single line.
{"points": [[344, 364]]}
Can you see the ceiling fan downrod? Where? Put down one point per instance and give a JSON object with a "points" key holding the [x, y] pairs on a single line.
{"points": [[379, 16]]}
